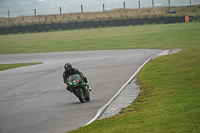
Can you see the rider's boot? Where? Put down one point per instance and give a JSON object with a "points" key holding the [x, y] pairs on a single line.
{"points": [[89, 88]]}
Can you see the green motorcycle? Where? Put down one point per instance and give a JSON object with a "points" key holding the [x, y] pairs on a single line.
{"points": [[79, 88]]}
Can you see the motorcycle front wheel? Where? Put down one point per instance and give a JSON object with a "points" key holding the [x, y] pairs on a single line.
{"points": [[87, 98], [80, 95]]}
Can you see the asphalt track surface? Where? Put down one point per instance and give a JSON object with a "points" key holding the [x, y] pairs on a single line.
{"points": [[33, 99]]}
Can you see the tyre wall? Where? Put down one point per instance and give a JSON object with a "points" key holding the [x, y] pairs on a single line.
{"points": [[126, 22], [104, 23], [158, 20], [90, 24], [31, 28], [1, 31], [96, 24], [119, 22], [111, 23], [72, 25], [173, 19], [56, 26], [150, 20], [180, 19], [39, 27], [47, 27], [166, 20], [64, 26], [135, 21], [14, 29], [6, 30], [142, 21], [80, 25]]}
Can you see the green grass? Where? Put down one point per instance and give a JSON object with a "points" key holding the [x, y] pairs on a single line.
{"points": [[168, 101], [169, 97], [168, 36], [15, 65]]}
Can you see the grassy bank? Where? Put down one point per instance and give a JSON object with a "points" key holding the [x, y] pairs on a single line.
{"points": [[15, 65], [106, 15], [169, 97], [168, 101], [156, 36]]}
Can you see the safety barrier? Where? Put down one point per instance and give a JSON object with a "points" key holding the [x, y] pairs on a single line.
{"points": [[94, 24]]}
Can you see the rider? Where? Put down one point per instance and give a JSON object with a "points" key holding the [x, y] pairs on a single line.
{"points": [[71, 71]]}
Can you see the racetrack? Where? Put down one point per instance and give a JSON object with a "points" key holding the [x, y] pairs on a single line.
{"points": [[33, 98]]}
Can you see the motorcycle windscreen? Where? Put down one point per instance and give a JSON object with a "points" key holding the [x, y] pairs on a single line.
{"points": [[73, 77]]}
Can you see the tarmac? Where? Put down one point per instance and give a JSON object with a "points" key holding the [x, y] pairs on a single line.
{"points": [[129, 93]]}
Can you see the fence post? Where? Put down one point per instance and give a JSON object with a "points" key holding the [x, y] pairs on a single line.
{"points": [[190, 2], [152, 3], [169, 2], [8, 14], [139, 4], [124, 5], [81, 8], [35, 12], [60, 10], [103, 7]]}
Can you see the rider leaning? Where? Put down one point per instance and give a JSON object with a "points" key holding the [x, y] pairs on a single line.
{"points": [[71, 71]]}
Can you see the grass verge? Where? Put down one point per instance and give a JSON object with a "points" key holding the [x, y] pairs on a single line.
{"points": [[168, 101], [155, 36], [169, 97], [15, 65]]}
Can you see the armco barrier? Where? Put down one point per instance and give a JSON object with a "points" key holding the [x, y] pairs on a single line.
{"points": [[150, 20], [104, 23], [166, 20], [142, 21], [88, 24], [15, 29], [80, 25], [40, 27], [96, 24], [64, 26]]}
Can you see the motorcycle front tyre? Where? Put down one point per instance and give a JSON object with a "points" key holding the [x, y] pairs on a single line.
{"points": [[80, 95], [87, 98]]}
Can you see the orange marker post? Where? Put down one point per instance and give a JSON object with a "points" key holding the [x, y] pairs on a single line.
{"points": [[187, 19]]}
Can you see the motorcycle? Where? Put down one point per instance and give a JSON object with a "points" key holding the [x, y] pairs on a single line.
{"points": [[79, 88]]}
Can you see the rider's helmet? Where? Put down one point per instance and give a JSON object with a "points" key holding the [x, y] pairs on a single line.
{"points": [[67, 67]]}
